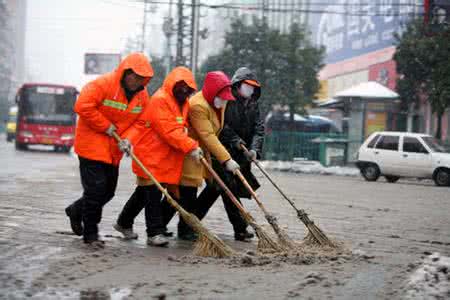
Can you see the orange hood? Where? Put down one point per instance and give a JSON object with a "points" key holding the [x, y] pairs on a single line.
{"points": [[179, 74], [137, 62]]}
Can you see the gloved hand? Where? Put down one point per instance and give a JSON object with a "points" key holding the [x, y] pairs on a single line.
{"points": [[251, 155], [110, 130], [125, 146], [197, 153], [232, 166], [239, 143]]}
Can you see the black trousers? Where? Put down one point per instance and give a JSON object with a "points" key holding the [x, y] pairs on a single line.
{"points": [[99, 181], [188, 197], [150, 198], [207, 198]]}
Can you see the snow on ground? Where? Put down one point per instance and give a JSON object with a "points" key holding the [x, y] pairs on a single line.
{"points": [[309, 167], [431, 280]]}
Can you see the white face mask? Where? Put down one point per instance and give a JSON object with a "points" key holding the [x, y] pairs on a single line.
{"points": [[246, 90], [219, 102]]}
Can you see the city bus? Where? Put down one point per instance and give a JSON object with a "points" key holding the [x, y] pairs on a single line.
{"points": [[45, 116]]}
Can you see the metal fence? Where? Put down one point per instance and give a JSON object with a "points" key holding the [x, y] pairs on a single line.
{"points": [[287, 146]]}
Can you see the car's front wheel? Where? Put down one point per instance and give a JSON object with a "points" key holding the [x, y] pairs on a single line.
{"points": [[392, 179], [442, 177], [370, 172]]}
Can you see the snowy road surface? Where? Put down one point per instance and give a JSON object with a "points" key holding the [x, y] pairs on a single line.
{"points": [[390, 227]]}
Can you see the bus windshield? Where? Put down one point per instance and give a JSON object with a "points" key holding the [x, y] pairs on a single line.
{"points": [[48, 105]]}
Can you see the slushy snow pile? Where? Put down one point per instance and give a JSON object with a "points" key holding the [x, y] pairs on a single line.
{"points": [[308, 167], [431, 280]]}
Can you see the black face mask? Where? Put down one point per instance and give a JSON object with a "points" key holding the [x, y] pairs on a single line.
{"points": [[181, 91], [128, 93]]}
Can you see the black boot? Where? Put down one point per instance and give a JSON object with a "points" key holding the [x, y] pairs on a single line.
{"points": [[244, 236], [186, 233], [75, 222], [167, 233], [188, 236]]}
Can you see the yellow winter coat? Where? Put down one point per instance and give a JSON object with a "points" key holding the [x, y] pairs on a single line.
{"points": [[205, 127]]}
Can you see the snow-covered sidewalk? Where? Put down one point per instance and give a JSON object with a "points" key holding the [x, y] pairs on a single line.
{"points": [[309, 167], [431, 280]]}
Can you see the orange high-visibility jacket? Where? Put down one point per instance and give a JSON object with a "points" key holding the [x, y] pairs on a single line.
{"points": [[160, 136], [102, 102]]}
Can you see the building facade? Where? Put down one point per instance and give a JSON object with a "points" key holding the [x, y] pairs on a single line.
{"points": [[360, 43], [12, 52], [358, 37]]}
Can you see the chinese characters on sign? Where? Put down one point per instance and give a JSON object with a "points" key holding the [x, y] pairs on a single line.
{"points": [[353, 27]]}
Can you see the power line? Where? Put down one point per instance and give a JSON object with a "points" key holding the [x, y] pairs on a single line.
{"points": [[290, 4], [309, 11]]}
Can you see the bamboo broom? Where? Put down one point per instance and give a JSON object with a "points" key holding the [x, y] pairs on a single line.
{"points": [[265, 243], [283, 238], [207, 244], [315, 234]]}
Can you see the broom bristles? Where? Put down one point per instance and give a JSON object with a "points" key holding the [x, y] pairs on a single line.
{"points": [[283, 238], [205, 247], [265, 242], [207, 243], [315, 236]]}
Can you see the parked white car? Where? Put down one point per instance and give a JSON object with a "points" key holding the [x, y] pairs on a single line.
{"points": [[404, 154]]}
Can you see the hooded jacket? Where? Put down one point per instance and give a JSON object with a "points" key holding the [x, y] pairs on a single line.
{"points": [[242, 123], [242, 119], [160, 136], [103, 102], [206, 123]]}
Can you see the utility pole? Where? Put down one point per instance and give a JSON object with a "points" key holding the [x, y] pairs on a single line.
{"points": [[179, 60], [168, 32], [185, 40], [194, 35], [144, 27]]}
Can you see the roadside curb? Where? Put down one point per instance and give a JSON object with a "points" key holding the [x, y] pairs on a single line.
{"points": [[309, 167]]}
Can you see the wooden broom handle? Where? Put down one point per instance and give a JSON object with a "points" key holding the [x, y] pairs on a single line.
{"points": [[251, 191], [150, 175], [257, 163], [223, 186]]}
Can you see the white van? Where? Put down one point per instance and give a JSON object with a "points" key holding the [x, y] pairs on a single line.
{"points": [[404, 154]]}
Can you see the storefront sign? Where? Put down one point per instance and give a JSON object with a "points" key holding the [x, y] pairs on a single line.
{"points": [[349, 28]]}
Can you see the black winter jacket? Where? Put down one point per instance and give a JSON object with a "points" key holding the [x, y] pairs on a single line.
{"points": [[242, 123]]}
